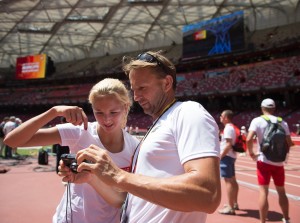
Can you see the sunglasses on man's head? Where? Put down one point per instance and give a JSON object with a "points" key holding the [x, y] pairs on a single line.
{"points": [[150, 59], [147, 58]]}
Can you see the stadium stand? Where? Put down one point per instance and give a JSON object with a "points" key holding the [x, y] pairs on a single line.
{"points": [[238, 80], [273, 74]]}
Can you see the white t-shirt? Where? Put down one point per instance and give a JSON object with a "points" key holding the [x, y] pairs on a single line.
{"points": [[87, 205], [258, 125], [228, 133], [8, 127], [186, 131]]}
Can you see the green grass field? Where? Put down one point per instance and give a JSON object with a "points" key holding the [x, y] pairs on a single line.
{"points": [[33, 151]]}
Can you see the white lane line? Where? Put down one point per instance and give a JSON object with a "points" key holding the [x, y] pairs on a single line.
{"points": [[294, 197], [253, 168], [251, 175], [288, 164], [292, 175]]}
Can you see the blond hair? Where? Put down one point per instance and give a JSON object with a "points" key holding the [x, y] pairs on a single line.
{"points": [[110, 86]]}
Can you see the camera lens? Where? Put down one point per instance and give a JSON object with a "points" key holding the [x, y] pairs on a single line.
{"points": [[74, 166]]}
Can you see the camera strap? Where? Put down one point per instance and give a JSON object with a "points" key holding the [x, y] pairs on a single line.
{"points": [[69, 202]]}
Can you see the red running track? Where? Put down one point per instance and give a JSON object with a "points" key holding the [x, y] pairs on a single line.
{"points": [[30, 192], [248, 192]]}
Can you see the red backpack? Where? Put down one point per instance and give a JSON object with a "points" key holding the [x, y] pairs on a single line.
{"points": [[240, 141]]}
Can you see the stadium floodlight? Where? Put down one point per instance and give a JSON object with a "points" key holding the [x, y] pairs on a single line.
{"points": [[35, 27], [144, 1], [85, 18], [89, 15]]}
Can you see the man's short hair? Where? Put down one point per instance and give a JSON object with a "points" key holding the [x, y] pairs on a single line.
{"points": [[228, 114]]}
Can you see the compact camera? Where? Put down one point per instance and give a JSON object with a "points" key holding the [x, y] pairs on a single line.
{"points": [[70, 161]]}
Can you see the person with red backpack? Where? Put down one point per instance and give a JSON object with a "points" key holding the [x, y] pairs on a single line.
{"points": [[227, 163]]}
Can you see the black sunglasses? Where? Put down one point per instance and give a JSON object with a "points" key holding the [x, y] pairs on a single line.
{"points": [[151, 59]]}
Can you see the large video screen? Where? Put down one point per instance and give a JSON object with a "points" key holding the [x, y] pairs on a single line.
{"points": [[220, 35], [31, 67]]}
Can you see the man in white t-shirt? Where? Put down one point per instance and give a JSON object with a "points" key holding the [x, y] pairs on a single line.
{"points": [[8, 127], [2, 145], [175, 173], [227, 163], [267, 169]]}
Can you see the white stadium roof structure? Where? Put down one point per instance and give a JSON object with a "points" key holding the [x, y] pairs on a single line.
{"points": [[68, 30]]}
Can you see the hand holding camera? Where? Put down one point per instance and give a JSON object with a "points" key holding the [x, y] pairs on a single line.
{"points": [[73, 176], [70, 161]]}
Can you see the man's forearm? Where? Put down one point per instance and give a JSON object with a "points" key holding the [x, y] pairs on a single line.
{"points": [[250, 149], [110, 195], [192, 191]]}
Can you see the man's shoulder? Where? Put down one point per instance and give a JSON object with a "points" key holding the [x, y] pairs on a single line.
{"points": [[272, 118], [229, 126], [9, 124], [258, 119], [188, 103], [192, 109], [190, 106], [229, 129], [255, 123]]}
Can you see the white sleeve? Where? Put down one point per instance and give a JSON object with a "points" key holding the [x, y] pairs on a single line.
{"points": [[253, 125], [196, 133], [69, 134], [229, 133]]}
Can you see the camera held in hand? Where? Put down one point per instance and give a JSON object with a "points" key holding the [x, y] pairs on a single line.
{"points": [[70, 161]]}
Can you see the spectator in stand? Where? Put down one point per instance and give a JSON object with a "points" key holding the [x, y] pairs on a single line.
{"points": [[130, 130], [2, 145], [137, 132], [267, 169], [18, 122], [298, 129], [88, 200], [227, 163], [243, 132], [175, 170], [8, 127]]}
